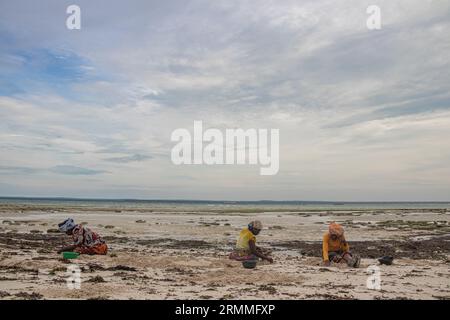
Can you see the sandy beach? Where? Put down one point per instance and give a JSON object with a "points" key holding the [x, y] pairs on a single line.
{"points": [[181, 252]]}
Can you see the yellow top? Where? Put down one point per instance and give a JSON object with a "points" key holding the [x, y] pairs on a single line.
{"points": [[333, 245], [244, 237]]}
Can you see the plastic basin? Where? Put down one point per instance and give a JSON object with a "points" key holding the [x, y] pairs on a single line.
{"points": [[70, 255], [249, 264]]}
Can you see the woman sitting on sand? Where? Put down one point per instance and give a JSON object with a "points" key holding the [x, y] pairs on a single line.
{"points": [[246, 248], [336, 249], [85, 240]]}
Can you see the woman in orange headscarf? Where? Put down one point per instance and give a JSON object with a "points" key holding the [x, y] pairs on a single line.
{"points": [[336, 249]]}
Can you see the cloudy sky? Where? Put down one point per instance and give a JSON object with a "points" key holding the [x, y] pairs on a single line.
{"points": [[364, 115]]}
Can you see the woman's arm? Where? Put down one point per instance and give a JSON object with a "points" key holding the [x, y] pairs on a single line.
{"points": [[326, 259], [253, 250], [68, 248], [345, 246]]}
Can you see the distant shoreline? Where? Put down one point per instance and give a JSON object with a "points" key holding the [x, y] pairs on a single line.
{"points": [[324, 205], [297, 202]]}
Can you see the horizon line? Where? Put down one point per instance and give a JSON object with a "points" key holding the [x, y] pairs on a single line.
{"points": [[337, 202]]}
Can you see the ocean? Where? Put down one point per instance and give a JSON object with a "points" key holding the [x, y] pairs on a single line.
{"points": [[205, 205]]}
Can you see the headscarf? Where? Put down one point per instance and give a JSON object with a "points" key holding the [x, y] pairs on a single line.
{"points": [[255, 225], [336, 229], [66, 225]]}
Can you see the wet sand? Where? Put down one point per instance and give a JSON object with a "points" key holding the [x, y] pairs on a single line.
{"points": [[180, 253]]}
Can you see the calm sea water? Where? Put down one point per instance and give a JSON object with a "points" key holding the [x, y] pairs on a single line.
{"points": [[226, 205]]}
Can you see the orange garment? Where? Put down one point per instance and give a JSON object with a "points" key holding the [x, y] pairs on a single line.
{"points": [[336, 229], [101, 248], [333, 245]]}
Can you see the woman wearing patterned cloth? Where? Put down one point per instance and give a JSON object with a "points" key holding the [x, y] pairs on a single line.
{"points": [[85, 240]]}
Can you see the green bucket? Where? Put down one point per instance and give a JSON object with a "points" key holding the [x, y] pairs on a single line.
{"points": [[70, 255]]}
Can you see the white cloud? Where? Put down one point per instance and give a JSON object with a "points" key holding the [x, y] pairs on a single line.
{"points": [[362, 114]]}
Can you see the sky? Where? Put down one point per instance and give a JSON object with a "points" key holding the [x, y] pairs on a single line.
{"points": [[363, 115]]}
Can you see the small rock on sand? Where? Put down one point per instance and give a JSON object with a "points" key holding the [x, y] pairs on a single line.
{"points": [[96, 279]]}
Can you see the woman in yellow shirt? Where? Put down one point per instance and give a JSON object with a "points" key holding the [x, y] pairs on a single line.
{"points": [[246, 248], [335, 248]]}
